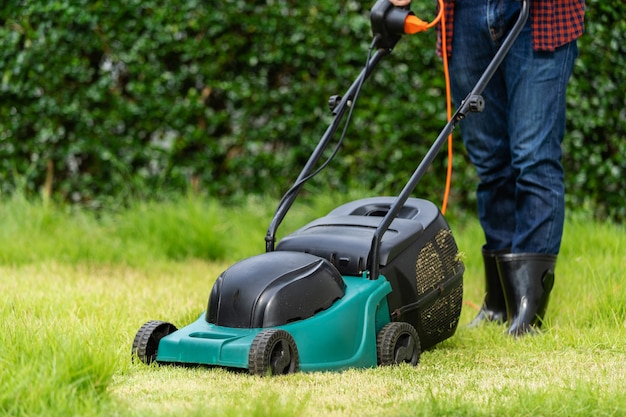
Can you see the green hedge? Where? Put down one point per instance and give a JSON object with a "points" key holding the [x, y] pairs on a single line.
{"points": [[595, 148], [102, 101]]}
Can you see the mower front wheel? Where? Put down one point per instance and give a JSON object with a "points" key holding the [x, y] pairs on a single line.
{"points": [[397, 342], [273, 352], [146, 343]]}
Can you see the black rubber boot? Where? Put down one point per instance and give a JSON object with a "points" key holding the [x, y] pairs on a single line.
{"points": [[527, 279], [494, 305]]}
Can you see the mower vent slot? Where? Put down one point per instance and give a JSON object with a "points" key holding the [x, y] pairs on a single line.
{"points": [[381, 210], [443, 314], [438, 260]]}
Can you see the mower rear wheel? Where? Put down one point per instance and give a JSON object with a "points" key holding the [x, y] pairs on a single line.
{"points": [[397, 342], [146, 343], [273, 352]]}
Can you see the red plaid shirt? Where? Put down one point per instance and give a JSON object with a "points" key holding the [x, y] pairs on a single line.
{"points": [[554, 23]]}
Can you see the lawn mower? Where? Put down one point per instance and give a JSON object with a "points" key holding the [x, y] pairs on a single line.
{"points": [[374, 282]]}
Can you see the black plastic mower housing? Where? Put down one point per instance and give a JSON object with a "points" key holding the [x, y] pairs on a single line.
{"points": [[273, 289], [418, 256]]}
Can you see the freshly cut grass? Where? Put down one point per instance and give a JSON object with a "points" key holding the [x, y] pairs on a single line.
{"points": [[66, 330], [68, 318]]}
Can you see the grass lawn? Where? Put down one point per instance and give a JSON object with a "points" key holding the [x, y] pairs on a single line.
{"points": [[68, 317]]}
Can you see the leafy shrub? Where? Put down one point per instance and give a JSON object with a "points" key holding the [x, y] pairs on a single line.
{"points": [[595, 150], [106, 101]]}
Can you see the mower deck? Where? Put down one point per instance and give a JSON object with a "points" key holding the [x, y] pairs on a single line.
{"points": [[349, 342]]}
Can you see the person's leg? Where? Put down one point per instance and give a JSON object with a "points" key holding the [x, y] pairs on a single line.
{"points": [[478, 32], [536, 85], [477, 36], [515, 146]]}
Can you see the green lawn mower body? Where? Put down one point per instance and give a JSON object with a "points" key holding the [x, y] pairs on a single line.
{"points": [[309, 305], [340, 336]]}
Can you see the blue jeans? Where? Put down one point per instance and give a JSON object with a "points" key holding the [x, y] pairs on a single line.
{"points": [[515, 143]]}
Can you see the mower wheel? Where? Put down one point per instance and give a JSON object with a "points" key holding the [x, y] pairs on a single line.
{"points": [[146, 343], [398, 342], [273, 352]]}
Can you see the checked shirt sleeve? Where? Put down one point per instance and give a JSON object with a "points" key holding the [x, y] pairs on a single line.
{"points": [[556, 22]]}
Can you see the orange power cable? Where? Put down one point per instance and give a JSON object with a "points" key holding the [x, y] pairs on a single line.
{"points": [[446, 73]]}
